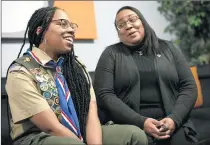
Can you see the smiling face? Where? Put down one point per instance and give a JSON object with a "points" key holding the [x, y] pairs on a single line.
{"points": [[130, 28], [59, 37]]}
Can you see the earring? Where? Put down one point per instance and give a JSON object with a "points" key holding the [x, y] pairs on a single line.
{"points": [[45, 41]]}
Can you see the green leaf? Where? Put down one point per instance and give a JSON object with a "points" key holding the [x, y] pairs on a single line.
{"points": [[189, 21]]}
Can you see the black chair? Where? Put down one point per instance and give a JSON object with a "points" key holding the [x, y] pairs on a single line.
{"points": [[5, 128]]}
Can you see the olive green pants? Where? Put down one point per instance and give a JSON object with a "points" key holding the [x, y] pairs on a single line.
{"points": [[111, 135]]}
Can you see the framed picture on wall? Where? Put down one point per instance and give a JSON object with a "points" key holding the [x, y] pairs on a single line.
{"points": [[82, 13], [15, 16]]}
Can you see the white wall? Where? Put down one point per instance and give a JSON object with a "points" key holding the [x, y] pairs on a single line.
{"points": [[13, 12], [90, 51]]}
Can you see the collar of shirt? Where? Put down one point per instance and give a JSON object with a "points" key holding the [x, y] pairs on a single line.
{"points": [[44, 58]]}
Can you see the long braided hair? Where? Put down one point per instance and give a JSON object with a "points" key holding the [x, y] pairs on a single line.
{"points": [[74, 72]]}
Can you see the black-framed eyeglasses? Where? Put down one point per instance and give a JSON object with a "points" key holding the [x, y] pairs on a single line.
{"points": [[66, 24], [131, 20]]}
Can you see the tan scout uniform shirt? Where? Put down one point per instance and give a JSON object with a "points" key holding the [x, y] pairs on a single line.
{"points": [[25, 98]]}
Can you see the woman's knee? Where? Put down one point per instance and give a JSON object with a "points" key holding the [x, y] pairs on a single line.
{"points": [[138, 136], [123, 135], [47, 139], [61, 141]]}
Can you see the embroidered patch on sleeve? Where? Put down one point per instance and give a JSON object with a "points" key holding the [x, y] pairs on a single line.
{"points": [[14, 67]]}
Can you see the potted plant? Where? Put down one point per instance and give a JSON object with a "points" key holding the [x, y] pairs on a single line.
{"points": [[189, 21]]}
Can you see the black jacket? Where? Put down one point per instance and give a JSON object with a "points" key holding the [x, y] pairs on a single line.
{"points": [[117, 86]]}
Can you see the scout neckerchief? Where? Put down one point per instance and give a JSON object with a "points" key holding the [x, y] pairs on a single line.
{"points": [[68, 112]]}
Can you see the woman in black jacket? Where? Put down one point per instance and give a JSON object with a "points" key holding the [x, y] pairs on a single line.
{"points": [[145, 81]]}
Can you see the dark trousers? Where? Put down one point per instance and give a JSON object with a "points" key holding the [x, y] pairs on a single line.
{"points": [[178, 138]]}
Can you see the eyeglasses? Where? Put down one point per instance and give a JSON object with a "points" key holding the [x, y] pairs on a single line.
{"points": [[131, 20], [66, 24]]}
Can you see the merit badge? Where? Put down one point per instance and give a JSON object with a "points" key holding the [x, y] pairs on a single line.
{"points": [[47, 95], [33, 71], [59, 117], [54, 92], [51, 83], [45, 77], [44, 86], [56, 100], [39, 71], [39, 78], [58, 110], [50, 102]]}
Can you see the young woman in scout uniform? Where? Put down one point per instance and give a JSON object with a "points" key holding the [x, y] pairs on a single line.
{"points": [[51, 97]]}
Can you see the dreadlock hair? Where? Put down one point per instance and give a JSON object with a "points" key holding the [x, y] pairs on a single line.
{"points": [[41, 17], [150, 39], [74, 72], [77, 76]]}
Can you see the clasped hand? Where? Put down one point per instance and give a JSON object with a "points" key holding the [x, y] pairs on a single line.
{"points": [[159, 129]]}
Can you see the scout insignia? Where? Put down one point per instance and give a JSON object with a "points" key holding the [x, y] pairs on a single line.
{"points": [[47, 94], [36, 71], [48, 88], [44, 86], [14, 67], [33, 71], [27, 59]]}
